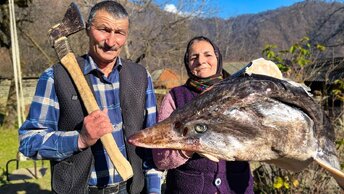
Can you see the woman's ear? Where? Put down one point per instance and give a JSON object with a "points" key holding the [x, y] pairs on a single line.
{"points": [[216, 54]]}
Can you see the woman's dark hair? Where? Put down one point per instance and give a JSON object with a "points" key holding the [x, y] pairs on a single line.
{"points": [[219, 70]]}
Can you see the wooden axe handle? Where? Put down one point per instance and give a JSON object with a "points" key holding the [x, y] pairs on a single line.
{"points": [[119, 161]]}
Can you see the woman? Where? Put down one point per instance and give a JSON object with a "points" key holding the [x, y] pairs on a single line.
{"points": [[189, 172]]}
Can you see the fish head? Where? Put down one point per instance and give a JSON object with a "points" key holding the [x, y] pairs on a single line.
{"points": [[203, 126]]}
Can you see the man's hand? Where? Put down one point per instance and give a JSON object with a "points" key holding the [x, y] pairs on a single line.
{"points": [[95, 126]]}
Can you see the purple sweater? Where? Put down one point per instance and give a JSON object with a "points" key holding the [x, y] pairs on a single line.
{"points": [[198, 175]]}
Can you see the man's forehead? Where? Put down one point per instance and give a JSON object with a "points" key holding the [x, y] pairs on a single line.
{"points": [[103, 16]]}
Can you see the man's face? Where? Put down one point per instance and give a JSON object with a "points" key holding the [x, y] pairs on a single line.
{"points": [[107, 36]]}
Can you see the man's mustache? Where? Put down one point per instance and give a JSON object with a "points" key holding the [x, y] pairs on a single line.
{"points": [[106, 47]]}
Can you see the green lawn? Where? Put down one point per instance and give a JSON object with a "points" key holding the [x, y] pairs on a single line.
{"points": [[8, 151]]}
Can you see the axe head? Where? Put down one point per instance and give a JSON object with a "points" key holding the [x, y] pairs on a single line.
{"points": [[72, 22]]}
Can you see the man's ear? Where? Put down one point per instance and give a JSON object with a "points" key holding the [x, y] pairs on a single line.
{"points": [[87, 29]]}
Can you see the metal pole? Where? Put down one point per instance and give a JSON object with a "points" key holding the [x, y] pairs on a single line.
{"points": [[16, 64]]}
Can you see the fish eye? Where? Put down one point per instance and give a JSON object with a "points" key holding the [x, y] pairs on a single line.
{"points": [[200, 128]]}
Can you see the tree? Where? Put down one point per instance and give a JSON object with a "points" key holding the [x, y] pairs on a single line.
{"points": [[299, 63], [5, 23], [293, 62], [158, 38]]}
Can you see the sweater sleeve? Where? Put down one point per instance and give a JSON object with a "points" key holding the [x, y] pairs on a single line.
{"points": [[166, 108], [168, 158]]}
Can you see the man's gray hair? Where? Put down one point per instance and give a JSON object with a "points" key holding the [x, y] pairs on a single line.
{"points": [[112, 7]]}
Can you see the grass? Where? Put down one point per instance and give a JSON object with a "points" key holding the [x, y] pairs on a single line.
{"points": [[8, 151]]}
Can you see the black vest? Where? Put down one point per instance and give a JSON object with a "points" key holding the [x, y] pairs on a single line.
{"points": [[71, 175]]}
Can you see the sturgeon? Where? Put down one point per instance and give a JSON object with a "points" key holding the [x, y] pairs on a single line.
{"points": [[251, 118]]}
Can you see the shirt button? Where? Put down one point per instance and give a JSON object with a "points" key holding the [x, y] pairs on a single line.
{"points": [[218, 182]]}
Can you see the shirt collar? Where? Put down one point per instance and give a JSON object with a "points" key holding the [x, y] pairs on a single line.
{"points": [[90, 65]]}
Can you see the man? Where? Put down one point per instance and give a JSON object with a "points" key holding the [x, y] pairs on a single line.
{"points": [[59, 129]]}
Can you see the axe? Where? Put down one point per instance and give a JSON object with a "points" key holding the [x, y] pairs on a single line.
{"points": [[72, 23]]}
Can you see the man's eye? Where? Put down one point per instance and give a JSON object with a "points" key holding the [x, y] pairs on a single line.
{"points": [[120, 33], [104, 30]]}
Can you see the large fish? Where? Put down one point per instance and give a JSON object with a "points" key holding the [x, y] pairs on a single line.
{"points": [[251, 118]]}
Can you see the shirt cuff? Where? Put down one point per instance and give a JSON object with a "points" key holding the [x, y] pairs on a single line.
{"points": [[72, 147], [153, 182]]}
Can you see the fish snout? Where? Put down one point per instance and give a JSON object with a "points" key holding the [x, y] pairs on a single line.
{"points": [[157, 136], [136, 138]]}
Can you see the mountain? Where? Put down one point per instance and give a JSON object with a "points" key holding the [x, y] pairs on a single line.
{"points": [[158, 38], [244, 37]]}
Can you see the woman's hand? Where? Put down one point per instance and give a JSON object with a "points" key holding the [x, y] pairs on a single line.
{"points": [[186, 154]]}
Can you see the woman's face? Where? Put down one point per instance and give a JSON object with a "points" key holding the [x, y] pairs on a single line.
{"points": [[202, 59]]}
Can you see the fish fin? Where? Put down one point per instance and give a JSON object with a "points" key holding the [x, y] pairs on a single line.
{"points": [[210, 157], [335, 173], [291, 164], [301, 85]]}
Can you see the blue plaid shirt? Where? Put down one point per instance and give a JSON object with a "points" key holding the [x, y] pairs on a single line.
{"points": [[40, 137]]}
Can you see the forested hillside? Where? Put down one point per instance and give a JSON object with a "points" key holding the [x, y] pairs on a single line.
{"points": [[158, 38], [243, 37]]}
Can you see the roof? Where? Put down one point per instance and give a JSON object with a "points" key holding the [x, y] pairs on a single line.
{"points": [[165, 78], [232, 67]]}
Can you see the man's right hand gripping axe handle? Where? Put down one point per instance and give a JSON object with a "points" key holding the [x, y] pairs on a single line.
{"points": [[72, 23]]}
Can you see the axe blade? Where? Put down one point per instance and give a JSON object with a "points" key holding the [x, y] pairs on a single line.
{"points": [[72, 22], [73, 19]]}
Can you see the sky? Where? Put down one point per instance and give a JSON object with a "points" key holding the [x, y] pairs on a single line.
{"points": [[231, 8]]}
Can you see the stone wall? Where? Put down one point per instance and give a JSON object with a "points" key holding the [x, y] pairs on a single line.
{"points": [[8, 97], [5, 85]]}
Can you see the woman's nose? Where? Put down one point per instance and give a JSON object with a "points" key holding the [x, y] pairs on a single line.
{"points": [[201, 59]]}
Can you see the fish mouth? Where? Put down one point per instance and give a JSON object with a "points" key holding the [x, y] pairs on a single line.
{"points": [[142, 140], [158, 137], [164, 135]]}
